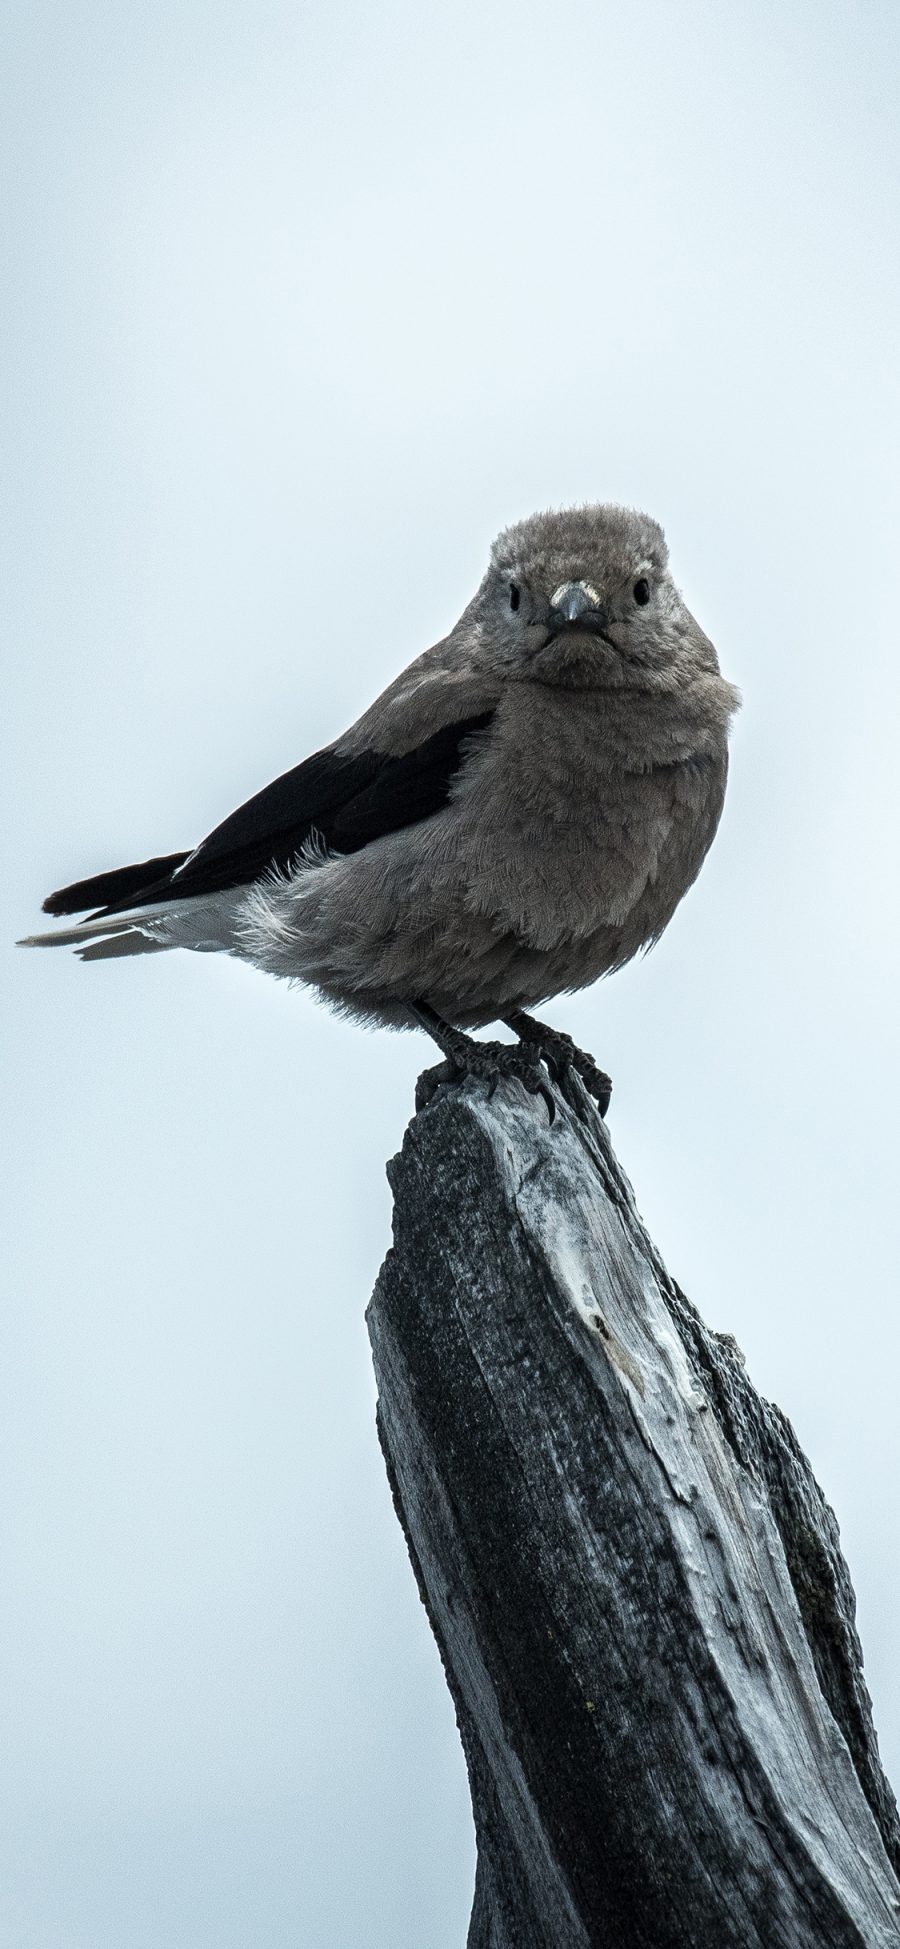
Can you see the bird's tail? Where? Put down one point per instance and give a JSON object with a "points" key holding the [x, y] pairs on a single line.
{"points": [[111, 932], [100, 940], [125, 883]]}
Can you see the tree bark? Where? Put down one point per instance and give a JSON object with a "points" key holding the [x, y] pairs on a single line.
{"points": [[634, 1580]]}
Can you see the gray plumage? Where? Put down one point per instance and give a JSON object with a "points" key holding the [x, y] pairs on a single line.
{"points": [[563, 758]]}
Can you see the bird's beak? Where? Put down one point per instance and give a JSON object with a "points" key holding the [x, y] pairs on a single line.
{"points": [[577, 606]]}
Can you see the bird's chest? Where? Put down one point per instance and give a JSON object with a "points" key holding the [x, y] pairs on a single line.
{"points": [[576, 835]]}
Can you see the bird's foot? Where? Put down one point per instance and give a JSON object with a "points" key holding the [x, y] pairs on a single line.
{"points": [[562, 1056], [488, 1060]]}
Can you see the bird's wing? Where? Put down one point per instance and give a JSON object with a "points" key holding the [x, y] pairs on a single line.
{"points": [[338, 800]]}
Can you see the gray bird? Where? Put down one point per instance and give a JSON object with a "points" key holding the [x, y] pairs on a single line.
{"points": [[518, 813]]}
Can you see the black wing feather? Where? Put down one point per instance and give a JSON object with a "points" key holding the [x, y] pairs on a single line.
{"points": [[343, 802], [404, 790], [122, 884]]}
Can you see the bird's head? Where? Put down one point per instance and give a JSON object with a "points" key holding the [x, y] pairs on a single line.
{"points": [[583, 598]]}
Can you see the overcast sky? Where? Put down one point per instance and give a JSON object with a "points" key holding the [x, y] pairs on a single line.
{"points": [[303, 304]]}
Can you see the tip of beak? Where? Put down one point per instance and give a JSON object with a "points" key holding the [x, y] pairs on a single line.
{"points": [[574, 599]]}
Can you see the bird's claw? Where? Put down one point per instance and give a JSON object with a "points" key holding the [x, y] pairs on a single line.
{"points": [[496, 1059], [428, 1084], [596, 1081], [490, 1061], [563, 1058]]}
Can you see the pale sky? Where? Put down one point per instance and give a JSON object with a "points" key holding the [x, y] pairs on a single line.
{"points": [[301, 306]]}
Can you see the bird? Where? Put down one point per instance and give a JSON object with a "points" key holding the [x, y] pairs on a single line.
{"points": [[519, 813]]}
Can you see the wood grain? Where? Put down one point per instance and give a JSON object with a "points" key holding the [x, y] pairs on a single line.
{"points": [[634, 1580]]}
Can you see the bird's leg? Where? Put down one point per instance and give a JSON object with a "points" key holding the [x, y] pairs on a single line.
{"points": [[561, 1055], [467, 1057]]}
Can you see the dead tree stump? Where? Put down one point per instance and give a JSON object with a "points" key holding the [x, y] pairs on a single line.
{"points": [[634, 1580]]}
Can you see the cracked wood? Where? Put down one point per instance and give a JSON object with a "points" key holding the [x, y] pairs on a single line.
{"points": [[634, 1581]]}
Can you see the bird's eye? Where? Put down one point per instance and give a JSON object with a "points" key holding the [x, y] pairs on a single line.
{"points": [[641, 592], [515, 595]]}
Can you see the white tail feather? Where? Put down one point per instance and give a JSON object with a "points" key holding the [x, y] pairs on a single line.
{"points": [[85, 930]]}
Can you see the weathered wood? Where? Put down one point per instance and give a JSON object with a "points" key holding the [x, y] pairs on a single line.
{"points": [[634, 1580]]}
